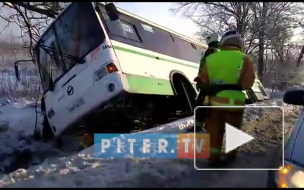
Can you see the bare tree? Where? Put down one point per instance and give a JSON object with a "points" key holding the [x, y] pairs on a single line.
{"points": [[261, 37], [264, 25], [302, 50], [31, 17], [216, 16]]}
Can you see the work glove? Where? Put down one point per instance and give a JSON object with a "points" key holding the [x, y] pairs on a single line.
{"points": [[199, 82]]}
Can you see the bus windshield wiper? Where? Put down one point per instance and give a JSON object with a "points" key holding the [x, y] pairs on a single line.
{"points": [[49, 49]]}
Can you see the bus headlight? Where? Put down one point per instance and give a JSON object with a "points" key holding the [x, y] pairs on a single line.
{"points": [[290, 176], [101, 72]]}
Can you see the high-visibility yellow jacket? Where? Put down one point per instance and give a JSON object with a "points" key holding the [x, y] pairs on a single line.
{"points": [[208, 52], [227, 67]]}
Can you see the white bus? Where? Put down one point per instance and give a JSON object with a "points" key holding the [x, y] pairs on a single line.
{"points": [[96, 58]]}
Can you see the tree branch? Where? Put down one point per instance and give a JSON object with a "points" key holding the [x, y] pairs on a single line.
{"points": [[47, 12]]}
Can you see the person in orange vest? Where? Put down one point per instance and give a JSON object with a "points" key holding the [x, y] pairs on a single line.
{"points": [[229, 66], [213, 46]]}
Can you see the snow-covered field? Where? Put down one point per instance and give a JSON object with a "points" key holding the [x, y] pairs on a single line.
{"points": [[83, 170]]}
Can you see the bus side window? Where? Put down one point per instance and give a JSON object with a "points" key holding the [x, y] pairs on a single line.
{"points": [[130, 30], [200, 53], [187, 50], [172, 38], [112, 27], [127, 30], [194, 47], [155, 39]]}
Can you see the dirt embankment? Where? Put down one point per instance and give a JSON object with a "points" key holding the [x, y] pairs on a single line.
{"points": [[268, 126], [83, 170]]}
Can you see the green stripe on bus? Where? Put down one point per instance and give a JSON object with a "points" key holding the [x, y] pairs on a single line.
{"points": [[151, 56], [148, 85]]}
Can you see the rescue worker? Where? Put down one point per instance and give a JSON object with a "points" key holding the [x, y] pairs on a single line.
{"points": [[213, 46], [227, 67]]}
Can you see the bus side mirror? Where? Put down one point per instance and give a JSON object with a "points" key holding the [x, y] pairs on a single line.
{"points": [[17, 72], [294, 97], [112, 11], [51, 85], [17, 69]]}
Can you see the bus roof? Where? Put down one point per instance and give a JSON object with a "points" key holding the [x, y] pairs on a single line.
{"points": [[196, 42]]}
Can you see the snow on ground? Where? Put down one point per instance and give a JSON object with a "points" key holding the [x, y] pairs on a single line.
{"points": [[278, 94], [83, 170], [17, 149], [274, 93]]}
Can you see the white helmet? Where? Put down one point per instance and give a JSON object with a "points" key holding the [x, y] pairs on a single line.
{"points": [[214, 37], [232, 38]]}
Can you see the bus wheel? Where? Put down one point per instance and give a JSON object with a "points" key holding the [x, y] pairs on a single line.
{"points": [[58, 143], [47, 132], [185, 90], [187, 96], [252, 97]]}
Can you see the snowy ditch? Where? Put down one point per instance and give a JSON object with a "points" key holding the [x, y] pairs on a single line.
{"points": [[83, 170], [17, 149]]}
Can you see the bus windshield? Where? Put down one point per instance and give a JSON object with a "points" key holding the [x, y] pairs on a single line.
{"points": [[74, 34]]}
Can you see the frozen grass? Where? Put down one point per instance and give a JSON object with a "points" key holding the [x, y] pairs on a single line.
{"points": [[267, 127]]}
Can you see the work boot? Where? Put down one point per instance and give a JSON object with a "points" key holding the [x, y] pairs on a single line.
{"points": [[87, 140], [214, 164], [225, 160]]}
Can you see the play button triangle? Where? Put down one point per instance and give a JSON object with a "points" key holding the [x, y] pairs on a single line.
{"points": [[235, 138]]}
